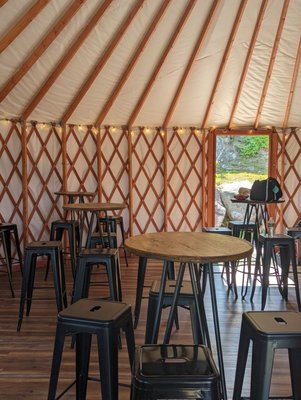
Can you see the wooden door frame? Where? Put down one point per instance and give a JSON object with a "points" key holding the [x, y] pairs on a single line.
{"points": [[209, 155]]}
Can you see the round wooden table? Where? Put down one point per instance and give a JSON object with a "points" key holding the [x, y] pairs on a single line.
{"points": [[189, 249], [94, 209]]}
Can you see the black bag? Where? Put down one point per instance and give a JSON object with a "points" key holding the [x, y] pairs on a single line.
{"points": [[266, 190]]}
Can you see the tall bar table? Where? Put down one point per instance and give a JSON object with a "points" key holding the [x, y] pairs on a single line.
{"points": [[90, 212], [189, 249]]}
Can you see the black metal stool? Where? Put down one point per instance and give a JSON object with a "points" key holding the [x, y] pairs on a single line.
{"points": [[268, 330], [103, 240], [5, 260], [185, 299], [111, 222], [247, 231], [56, 233], [265, 250], [10, 234], [295, 232], [230, 268], [89, 257], [174, 372], [52, 249], [83, 319]]}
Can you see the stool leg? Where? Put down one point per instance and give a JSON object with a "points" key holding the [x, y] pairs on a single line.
{"points": [[25, 279], [56, 361], [108, 363], [56, 279], [294, 360], [123, 240], [130, 339], [242, 356], [257, 269], [62, 275], [261, 375], [267, 256], [139, 289], [83, 349], [30, 283], [151, 309], [295, 273], [18, 247], [8, 263], [79, 281], [72, 244]]}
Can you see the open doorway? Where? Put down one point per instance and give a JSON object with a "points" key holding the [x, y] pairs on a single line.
{"points": [[239, 161]]}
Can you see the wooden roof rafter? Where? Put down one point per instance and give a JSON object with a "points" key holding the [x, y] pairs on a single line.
{"points": [[40, 48], [196, 49], [247, 61], [271, 63], [292, 87], [22, 23], [161, 61], [102, 61], [66, 58], [223, 63], [132, 62]]}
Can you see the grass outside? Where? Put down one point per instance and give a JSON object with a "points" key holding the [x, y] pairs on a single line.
{"points": [[236, 176]]}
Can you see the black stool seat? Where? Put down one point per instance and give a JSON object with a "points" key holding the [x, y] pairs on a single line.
{"points": [[268, 330], [89, 257], [104, 240], [222, 230], [57, 230], [53, 250], [247, 231], [82, 319], [295, 232], [265, 249], [185, 299], [174, 372]]}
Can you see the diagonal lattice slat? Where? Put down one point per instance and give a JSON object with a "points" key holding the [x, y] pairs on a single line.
{"points": [[44, 178], [114, 168], [148, 180], [11, 174], [184, 178], [292, 178], [81, 159]]}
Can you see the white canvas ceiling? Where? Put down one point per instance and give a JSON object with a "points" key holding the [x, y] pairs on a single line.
{"points": [[204, 63]]}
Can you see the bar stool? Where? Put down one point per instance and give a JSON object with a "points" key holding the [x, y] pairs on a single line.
{"points": [[265, 250], [104, 240], [111, 222], [6, 260], [53, 250], [230, 268], [185, 299], [268, 330], [174, 372], [56, 233], [89, 257], [10, 234], [295, 232], [247, 231], [84, 319]]}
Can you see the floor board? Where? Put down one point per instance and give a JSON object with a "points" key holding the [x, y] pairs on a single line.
{"points": [[25, 357]]}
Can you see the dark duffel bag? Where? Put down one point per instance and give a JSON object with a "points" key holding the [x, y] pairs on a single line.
{"points": [[266, 190]]}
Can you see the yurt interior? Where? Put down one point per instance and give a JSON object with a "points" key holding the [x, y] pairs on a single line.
{"points": [[125, 272]]}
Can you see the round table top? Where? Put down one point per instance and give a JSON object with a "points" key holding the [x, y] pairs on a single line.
{"points": [[197, 247], [94, 206]]}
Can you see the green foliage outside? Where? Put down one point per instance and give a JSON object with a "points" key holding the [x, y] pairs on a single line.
{"points": [[253, 144]]}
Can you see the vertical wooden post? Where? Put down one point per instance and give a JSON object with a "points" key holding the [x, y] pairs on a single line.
{"points": [[64, 155], [98, 144], [24, 181], [165, 187], [211, 178], [130, 177], [273, 143]]}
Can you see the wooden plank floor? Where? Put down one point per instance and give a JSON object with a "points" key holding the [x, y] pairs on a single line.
{"points": [[25, 357]]}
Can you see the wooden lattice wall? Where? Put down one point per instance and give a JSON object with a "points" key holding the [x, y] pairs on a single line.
{"points": [[161, 175]]}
